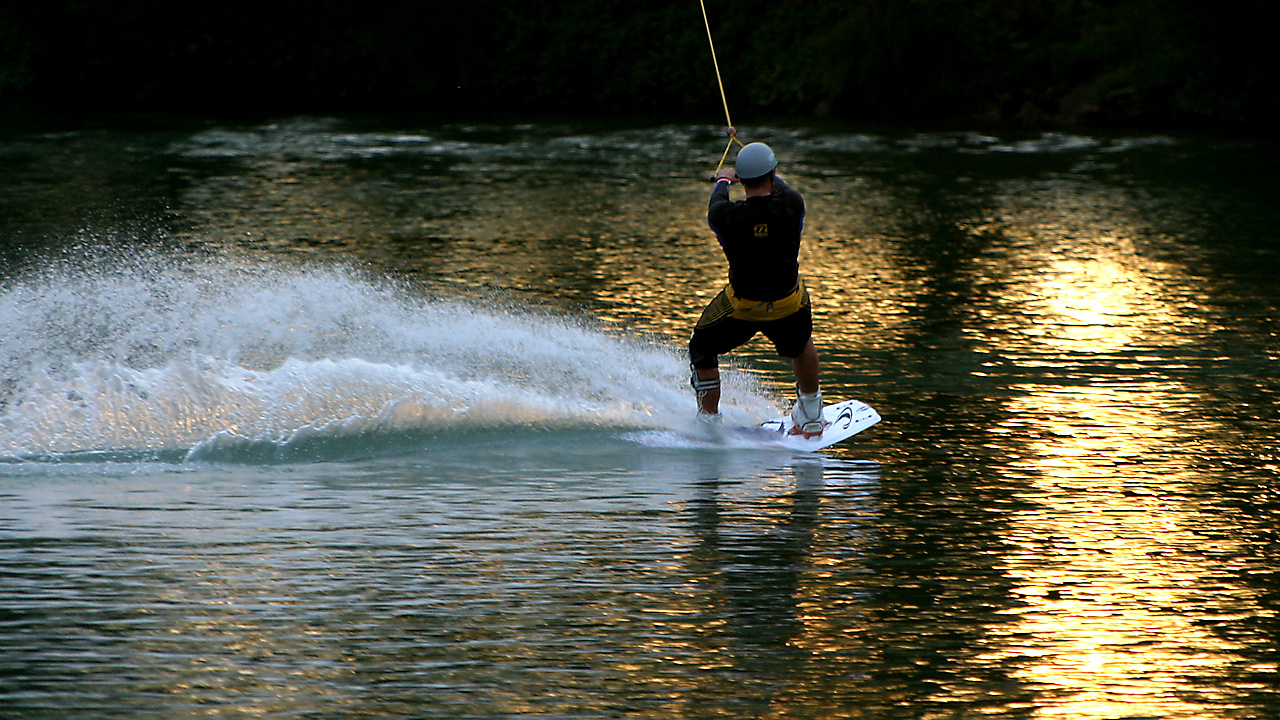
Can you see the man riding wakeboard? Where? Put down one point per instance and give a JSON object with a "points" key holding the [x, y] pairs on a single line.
{"points": [[760, 236]]}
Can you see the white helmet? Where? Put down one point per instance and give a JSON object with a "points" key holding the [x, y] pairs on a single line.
{"points": [[755, 160]]}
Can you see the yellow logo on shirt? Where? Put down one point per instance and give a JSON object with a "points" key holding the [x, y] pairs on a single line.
{"points": [[762, 230]]}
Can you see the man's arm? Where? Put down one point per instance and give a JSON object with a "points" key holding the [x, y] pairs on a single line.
{"points": [[719, 204]]}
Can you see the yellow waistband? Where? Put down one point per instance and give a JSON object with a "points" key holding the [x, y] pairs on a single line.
{"points": [[744, 309]]}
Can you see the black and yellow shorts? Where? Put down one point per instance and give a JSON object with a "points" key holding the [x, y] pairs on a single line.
{"points": [[729, 322]]}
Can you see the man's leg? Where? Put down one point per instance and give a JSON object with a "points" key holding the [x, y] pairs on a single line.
{"points": [[807, 413], [715, 334], [805, 367], [792, 332], [707, 386]]}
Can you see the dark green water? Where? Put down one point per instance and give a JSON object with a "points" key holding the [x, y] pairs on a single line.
{"points": [[330, 419]]}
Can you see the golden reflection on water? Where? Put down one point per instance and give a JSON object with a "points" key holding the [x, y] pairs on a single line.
{"points": [[1079, 277], [1110, 558], [861, 293]]}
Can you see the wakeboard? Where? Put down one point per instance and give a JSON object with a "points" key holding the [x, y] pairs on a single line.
{"points": [[842, 421]]}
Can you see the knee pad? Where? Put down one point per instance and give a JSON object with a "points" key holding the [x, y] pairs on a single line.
{"points": [[702, 387]]}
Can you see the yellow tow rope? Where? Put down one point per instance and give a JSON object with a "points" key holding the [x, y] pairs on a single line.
{"points": [[732, 138]]}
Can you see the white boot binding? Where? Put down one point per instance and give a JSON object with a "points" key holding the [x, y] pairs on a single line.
{"points": [[806, 415]]}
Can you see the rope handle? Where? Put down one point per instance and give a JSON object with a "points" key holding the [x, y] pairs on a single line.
{"points": [[732, 139]]}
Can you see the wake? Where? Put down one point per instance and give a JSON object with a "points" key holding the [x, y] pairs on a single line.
{"points": [[216, 359]]}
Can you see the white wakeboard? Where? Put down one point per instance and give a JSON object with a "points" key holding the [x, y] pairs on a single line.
{"points": [[843, 420]]}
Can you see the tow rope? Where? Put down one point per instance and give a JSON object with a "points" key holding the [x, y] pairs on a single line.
{"points": [[732, 138]]}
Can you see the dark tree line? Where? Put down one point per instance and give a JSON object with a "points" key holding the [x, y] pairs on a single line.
{"points": [[1178, 63]]}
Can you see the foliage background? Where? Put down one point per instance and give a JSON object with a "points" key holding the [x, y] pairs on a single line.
{"points": [[1165, 63]]}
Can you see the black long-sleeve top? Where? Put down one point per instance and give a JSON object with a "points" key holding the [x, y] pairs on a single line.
{"points": [[761, 239]]}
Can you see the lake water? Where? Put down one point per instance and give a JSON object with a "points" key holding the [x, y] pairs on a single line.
{"points": [[337, 418]]}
